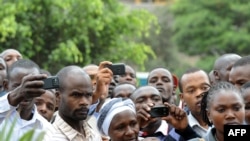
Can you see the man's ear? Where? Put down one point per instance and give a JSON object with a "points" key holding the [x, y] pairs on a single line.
{"points": [[6, 85], [181, 96], [181, 102], [216, 75], [58, 98]]}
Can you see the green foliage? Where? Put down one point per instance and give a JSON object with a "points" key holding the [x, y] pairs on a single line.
{"points": [[206, 63], [58, 33], [212, 27], [6, 134]]}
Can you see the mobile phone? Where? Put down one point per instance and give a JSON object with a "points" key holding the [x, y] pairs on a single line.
{"points": [[51, 82], [159, 111], [117, 69]]}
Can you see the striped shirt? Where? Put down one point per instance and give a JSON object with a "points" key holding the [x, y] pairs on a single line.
{"points": [[64, 132]]}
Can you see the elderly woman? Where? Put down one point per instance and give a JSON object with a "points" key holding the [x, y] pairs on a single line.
{"points": [[117, 120]]}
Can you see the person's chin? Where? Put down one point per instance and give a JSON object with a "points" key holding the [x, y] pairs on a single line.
{"points": [[81, 116]]}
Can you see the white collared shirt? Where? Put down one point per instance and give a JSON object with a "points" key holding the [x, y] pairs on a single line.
{"points": [[9, 116], [163, 128], [196, 126]]}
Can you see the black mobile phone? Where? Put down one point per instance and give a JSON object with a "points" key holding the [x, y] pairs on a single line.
{"points": [[117, 69], [51, 82], [159, 111]]}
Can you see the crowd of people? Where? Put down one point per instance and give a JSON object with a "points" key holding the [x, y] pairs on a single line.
{"points": [[92, 104]]}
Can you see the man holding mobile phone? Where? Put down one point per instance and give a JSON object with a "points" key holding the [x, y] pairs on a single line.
{"points": [[17, 107], [145, 98]]}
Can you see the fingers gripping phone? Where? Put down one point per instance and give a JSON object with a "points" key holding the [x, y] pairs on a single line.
{"points": [[159, 111], [117, 69], [51, 83]]}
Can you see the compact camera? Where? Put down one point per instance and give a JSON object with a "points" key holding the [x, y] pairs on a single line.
{"points": [[117, 69], [51, 83], [159, 111]]}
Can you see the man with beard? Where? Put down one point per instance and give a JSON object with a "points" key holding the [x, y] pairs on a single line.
{"points": [[75, 97], [17, 107], [162, 80], [192, 85]]}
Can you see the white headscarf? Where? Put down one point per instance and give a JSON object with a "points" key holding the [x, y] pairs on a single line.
{"points": [[109, 109]]}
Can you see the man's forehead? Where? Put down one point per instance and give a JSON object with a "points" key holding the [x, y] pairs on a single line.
{"points": [[91, 70], [200, 75], [146, 91], [9, 52], [20, 70]]}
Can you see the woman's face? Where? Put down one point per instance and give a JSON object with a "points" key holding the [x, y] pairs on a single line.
{"points": [[246, 97], [124, 127], [226, 107]]}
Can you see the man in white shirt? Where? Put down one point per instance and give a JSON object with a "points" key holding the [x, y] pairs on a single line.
{"points": [[17, 106]]}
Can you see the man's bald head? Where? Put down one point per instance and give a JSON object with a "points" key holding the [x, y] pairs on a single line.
{"points": [[223, 66]]}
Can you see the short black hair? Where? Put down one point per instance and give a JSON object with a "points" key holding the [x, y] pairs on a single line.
{"points": [[209, 95], [245, 60], [64, 72], [22, 63], [188, 71]]}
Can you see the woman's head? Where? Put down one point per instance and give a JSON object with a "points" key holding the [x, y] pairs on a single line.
{"points": [[223, 104], [117, 120]]}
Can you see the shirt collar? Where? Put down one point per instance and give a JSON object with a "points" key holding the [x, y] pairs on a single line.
{"points": [[192, 120], [70, 132], [163, 128]]}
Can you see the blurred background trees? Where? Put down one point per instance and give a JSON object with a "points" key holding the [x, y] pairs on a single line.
{"points": [[175, 34], [211, 28], [58, 33]]}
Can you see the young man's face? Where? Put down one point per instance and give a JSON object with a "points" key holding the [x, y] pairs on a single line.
{"points": [[46, 104], [239, 75], [162, 80], [146, 95], [193, 86], [75, 96], [128, 77]]}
